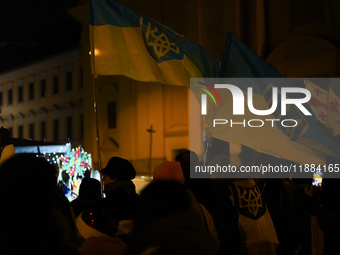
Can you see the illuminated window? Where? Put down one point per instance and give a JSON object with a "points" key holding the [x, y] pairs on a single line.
{"points": [[20, 94], [81, 77], [55, 84], [31, 131], [10, 97], [111, 114], [21, 131], [31, 91], [69, 127], [43, 130], [69, 81], [43, 88], [9, 86], [56, 129]]}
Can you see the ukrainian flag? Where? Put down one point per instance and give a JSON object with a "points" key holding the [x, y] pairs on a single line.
{"points": [[305, 143], [124, 42]]}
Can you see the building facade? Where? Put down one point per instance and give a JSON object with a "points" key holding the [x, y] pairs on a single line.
{"points": [[43, 100]]}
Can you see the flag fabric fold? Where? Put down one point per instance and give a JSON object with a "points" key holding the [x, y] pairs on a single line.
{"points": [[124, 42], [333, 116], [318, 102], [305, 144]]}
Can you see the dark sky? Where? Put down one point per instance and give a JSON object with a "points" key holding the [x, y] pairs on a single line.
{"points": [[20, 18]]}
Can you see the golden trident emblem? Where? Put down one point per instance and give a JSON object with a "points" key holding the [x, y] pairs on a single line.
{"points": [[161, 45]]}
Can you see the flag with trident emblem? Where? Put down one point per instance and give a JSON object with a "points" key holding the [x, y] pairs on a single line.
{"points": [[124, 42]]}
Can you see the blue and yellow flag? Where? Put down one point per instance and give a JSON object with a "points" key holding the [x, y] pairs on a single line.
{"points": [[303, 143], [127, 43]]}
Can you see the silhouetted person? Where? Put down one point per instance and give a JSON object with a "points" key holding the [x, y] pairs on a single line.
{"points": [[89, 192], [167, 224], [209, 193], [98, 227], [120, 194], [34, 217]]}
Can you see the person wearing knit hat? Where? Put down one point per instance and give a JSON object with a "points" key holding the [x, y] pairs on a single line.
{"points": [[169, 170], [98, 227]]}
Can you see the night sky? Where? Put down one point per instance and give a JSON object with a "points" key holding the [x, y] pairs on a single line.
{"points": [[20, 18], [32, 30]]}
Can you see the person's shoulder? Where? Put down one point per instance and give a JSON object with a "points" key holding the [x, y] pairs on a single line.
{"points": [[6, 153]]}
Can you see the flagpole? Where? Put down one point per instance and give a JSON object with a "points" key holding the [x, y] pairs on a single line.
{"points": [[94, 77]]}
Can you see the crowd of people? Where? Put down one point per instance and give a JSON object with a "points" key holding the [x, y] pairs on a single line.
{"points": [[173, 214]]}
